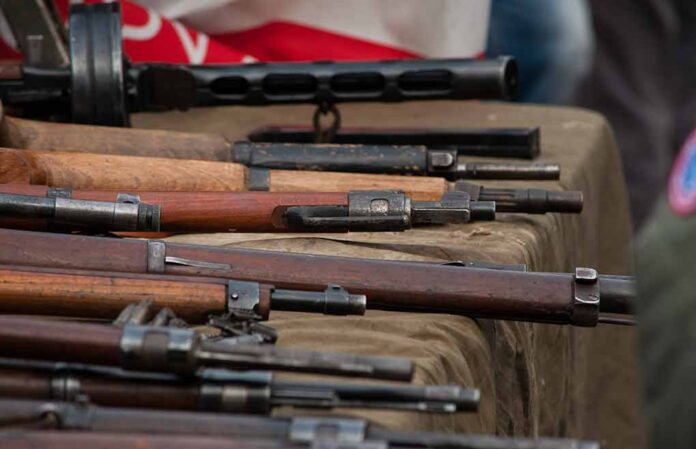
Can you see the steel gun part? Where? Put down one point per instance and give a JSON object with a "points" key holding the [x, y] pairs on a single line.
{"points": [[87, 417], [388, 210], [528, 201], [127, 213], [385, 159], [180, 351], [220, 390], [519, 143], [103, 89]]}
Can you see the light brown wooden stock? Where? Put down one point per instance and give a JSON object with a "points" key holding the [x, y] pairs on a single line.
{"points": [[103, 172], [92, 440], [198, 211], [103, 295]]}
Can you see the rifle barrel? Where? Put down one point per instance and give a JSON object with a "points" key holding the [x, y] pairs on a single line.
{"points": [[525, 296]]}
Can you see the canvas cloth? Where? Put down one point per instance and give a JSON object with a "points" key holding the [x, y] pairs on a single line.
{"points": [[534, 379]]}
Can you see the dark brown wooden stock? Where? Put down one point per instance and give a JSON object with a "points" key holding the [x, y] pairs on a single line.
{"points": [[93, 440], [114, 172], [42, 291], [387, 284], [75, 342], [28, 384], [197, 211]]}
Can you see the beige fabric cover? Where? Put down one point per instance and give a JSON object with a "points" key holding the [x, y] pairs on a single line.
{"points": [[535, 379]]}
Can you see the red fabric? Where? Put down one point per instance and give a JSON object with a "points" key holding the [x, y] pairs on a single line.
{"points": [[272, 41], [286, 41]]}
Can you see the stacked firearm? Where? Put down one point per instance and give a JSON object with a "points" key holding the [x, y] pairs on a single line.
{"points": [[157, 344]]}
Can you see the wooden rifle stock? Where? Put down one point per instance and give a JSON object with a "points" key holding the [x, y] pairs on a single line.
{"points": [[540, 297], [197, 211], [44, 291], [99, 294], [111, 172]]}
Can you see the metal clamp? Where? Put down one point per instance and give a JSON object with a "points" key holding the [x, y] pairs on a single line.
{"points": [[337, 301], [126, 214], [442, 160], [585, 297], [58, 192], [243, 298], [235, 398], [157, 259], [369, 210], [65, 388], [153, 348], [379, 203], [303, 430]]}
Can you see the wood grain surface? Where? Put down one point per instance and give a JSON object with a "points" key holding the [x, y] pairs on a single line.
{"points": [[104, 171], [47, 136], [27, 291], [198, 211]]}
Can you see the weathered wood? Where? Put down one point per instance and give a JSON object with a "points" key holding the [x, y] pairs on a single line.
{"points": [[47, 136], [30, 338], [101, 295], [99, 171], [197, 211], [420, 188]]}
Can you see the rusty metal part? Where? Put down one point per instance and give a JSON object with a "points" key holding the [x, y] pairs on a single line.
{"points": [[521, 143], [386, 159]]}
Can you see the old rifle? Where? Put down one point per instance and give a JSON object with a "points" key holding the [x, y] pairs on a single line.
{"points": [[103, 295], [98, 87], [332, 431], [90, 171], [39, 207], [175, 350], [219, 390], [562, 298]]}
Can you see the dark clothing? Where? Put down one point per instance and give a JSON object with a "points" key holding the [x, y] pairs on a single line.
{"points": [[641, 82], [666, 315]]}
